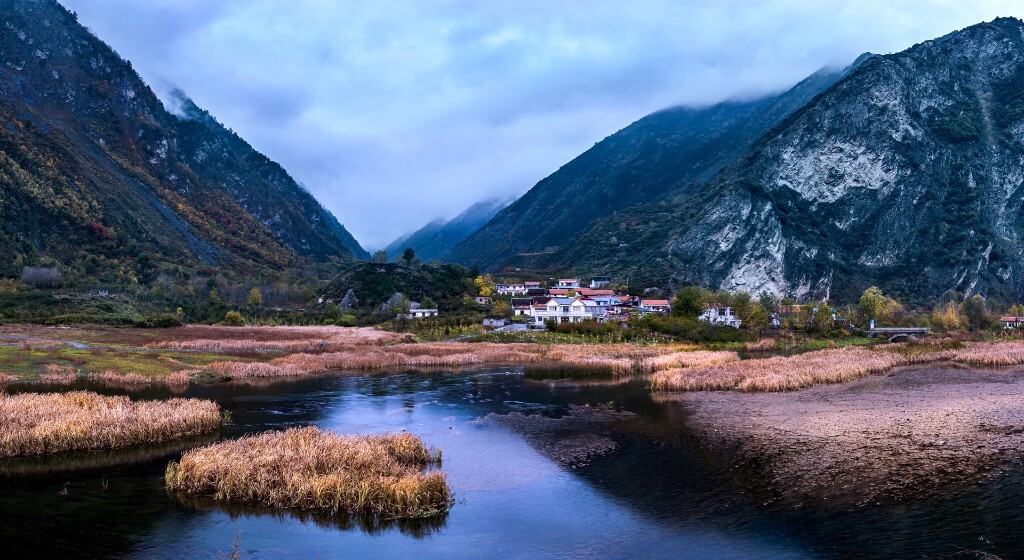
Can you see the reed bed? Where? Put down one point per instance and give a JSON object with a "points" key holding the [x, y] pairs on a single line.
{"points": [[780, 373], [620, 358], [281, 339], [36, 424], [763, 345], [310, 469], [131, 379], [697, 358], [988, 354]]}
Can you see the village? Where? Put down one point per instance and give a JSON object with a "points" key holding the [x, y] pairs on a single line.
{"points": [[532, 305]]}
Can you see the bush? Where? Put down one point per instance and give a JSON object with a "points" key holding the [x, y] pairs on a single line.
{"points": [[233, 319], [162, 321], [346, 320]]}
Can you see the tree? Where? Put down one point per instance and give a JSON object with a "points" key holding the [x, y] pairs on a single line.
{"points": [[214, 295], [976, 311], [503, 308], [255, 298], [380, 257], [689, 302], [741, 304], [408, 256], [767, 301], [948, 318], [233, 319], [428, 303], [758, 319], [876, 305], [484, 285]]}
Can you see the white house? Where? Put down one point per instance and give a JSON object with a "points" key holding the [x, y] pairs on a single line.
{"points": [[420, 313], [720, 316], [600, 282], [495, 321], [1012, 322], [568, 284], [563, 310], [511, 289], [655, 306]]}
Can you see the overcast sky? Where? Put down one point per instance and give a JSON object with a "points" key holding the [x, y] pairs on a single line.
{"points": [[394, 113]]}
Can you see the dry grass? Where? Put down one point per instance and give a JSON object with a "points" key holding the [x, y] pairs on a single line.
{"points": [[35, 424], [834, 366], [310, 469], [763, 345], [617, 358], [113, 378], [7, 378], [279, 339], [780, 373]]}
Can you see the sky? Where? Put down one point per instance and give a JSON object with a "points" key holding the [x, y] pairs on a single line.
{"points": [[395, 113]]}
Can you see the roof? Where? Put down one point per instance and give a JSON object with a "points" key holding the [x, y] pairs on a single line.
{"points": [[558, 291], [1011, 319], [564, 300], [589, 292], [531, 283], [655, 302]]}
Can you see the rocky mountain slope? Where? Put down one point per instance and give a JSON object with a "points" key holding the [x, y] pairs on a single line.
{"points": [[658, 158], [907, 172], [437, 238], [99, 177]]}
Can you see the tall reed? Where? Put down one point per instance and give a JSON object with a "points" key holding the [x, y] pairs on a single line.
{"points": [[310, 469], [35, 424]]}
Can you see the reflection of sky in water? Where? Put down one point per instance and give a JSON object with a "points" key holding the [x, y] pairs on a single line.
{"points": [[661, 494], [512, 501]]}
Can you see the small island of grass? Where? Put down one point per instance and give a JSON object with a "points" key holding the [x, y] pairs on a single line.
{"points": [[37, 424], [310, 469]]}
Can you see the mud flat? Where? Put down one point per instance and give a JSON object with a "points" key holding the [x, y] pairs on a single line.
{"points": [[915, 431], [571, 440]]}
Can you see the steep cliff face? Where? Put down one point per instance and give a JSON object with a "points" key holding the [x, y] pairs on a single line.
{"points": [[437, 238], [97, 175], [659, 157], [907, 172]]}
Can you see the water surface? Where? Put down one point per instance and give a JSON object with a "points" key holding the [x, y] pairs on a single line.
{"points": [[659, 492]]}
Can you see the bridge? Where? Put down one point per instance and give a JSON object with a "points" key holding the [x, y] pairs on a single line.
{"points": [[898, 334]]}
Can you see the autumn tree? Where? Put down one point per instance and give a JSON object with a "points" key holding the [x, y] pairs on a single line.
{"points": [[948, 318], [484, 285], [876, 305], [255, 298], [757, 319]]}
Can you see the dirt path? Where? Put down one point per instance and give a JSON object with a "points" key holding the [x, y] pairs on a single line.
{"points": [[883, 438]]}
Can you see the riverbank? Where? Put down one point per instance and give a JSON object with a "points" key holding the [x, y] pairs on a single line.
{"points": [[915, 431]]}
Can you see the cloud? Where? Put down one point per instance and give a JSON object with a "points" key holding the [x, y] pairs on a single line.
{"points": [[396, 113]]}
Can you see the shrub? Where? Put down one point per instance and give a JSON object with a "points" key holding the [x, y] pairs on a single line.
{"points": [[233, 319]]}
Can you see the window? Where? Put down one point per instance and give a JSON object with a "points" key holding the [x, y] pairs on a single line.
{"points": [[565, 309]]}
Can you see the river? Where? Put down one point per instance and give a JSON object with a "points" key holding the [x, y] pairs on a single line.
{"points": [[540, 469]]}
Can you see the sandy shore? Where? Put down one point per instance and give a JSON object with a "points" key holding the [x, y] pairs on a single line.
{"points": [[878, 439]]}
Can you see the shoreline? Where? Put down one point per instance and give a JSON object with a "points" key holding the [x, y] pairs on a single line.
{"points": [[915, 431]]}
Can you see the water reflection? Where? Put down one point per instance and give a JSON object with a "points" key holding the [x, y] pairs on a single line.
{"points": [[659, 491]]}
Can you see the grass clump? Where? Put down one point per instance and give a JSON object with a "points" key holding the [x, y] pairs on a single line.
{"points": [[310, 469], [37, 424]]}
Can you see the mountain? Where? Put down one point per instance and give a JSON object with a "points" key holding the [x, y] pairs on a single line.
{"points": [[661, 157], [435, 239], [98, 176], [907, 172]]}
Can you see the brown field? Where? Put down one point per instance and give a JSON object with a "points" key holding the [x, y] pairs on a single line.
{"points": [[310, 469], [833, 366], [617, 358], [277, 339], [36, 424]]}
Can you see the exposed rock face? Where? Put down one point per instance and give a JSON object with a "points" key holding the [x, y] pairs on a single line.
{"points": [[350, 301], [92, 164], [906, 172]]}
